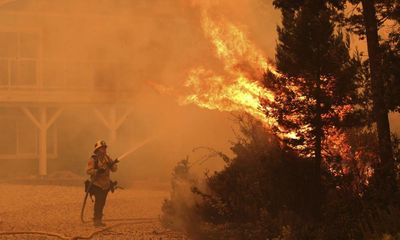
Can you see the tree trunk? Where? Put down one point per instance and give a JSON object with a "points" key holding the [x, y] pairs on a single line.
{"points": [[385, 171], [318, 134], [318, 160]]}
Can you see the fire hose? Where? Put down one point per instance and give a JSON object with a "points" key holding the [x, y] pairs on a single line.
{"points": [[89, 183], [131, 221]]}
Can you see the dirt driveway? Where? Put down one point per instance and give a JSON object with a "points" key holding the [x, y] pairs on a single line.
{"points": [[45, 209]]}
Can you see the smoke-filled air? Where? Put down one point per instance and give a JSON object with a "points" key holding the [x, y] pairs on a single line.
{"points": [[199, 119]]}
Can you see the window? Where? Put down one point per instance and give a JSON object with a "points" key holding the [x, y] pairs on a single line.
{"points": [[19, 53], [8, 137]]}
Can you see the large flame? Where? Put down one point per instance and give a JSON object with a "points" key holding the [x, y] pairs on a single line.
{"points": [[239, 87]]}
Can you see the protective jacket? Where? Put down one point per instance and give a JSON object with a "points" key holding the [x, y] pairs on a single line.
{"points": [[100, 172]]}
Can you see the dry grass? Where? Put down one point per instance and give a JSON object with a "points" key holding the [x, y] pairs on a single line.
{"points": [[56, 209]]}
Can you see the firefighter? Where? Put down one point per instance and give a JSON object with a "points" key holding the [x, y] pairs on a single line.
{"points": [[99, 167]]}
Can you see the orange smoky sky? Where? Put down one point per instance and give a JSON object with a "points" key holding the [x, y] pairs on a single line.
{"points": [[127, 44], [111, 44]]}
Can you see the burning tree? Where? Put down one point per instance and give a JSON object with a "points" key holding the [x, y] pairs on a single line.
{"points": [[273, 186], [318, 92], [285, 100]]}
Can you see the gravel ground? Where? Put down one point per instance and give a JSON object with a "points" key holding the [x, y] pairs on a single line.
{"points": [[131, 214]]}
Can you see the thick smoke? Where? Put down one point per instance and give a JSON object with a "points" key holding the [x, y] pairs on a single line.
{"points": [[123, 44]]}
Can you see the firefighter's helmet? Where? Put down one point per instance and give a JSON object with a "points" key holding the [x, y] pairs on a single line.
{"points": [[99, 144]]}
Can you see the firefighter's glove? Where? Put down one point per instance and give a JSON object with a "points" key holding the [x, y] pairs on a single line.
{"points": [[111, 164], [100, 171]]}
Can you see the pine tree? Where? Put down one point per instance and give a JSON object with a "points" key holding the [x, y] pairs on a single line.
{"points": [[366, 19], [319, 77]]}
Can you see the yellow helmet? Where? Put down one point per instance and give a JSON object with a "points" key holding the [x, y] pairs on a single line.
{"points": [[99, 144]]}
